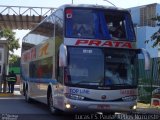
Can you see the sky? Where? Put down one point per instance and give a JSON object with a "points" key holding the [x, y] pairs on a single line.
{"points": [[57, 3]]}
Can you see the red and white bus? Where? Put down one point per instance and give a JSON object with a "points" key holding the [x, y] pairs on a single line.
{"points": [[82, 58]]}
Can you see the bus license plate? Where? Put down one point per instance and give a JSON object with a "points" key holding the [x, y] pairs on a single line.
{"points": [[102, 107]]}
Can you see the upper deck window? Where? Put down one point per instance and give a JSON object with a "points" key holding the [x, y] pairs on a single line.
{"points": [[80, 23], [99, 24]]}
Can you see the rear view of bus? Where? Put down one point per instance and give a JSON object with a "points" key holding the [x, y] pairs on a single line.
{"points": [[99, 60]]}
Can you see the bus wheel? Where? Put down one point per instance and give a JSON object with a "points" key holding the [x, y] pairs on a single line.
{"points": [[50, 103], [27, 98], [51, 106]]}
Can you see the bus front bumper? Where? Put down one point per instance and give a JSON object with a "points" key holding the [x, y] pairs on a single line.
{"points": [[110, 107]]}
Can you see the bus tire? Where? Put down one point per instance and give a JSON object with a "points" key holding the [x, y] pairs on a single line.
{"points": [[52, 109], [27, 98]]}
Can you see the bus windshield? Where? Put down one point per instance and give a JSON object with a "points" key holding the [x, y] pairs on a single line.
{"points": [[99, 24], [101, 67]]}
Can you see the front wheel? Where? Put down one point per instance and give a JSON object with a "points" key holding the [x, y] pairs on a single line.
{"points": [[52, 109], [27, 98]]}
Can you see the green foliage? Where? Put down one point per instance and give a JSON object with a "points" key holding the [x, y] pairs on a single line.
{"points": [[12, 44], [9, 35], [13, 58], [156, 35], [157, 18]]}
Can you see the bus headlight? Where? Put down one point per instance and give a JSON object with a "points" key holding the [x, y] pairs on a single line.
{"points": [[134, 107], [68, 106], [129, 98], [74, 97]]}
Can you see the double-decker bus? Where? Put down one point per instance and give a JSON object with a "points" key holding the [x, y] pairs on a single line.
{"points": [[82, 58]]}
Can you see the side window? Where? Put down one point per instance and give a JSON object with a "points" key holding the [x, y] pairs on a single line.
{"points": [[43, 32], [52, 20], [116, 26], [50, 26], [58, 29], [41, 68], [59, 23]]}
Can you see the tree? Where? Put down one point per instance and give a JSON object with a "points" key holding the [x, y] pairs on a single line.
{"points": [[156, 35], [13, 43], [13, 58]]}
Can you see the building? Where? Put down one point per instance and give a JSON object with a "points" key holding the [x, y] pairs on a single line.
{"points": [[145, 27], [142, 15], [144, 34]]}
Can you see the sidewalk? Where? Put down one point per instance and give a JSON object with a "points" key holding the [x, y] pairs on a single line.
{"points": [[148, 111], [143, 108], [16, 92]]}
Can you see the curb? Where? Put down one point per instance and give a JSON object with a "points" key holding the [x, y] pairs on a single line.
{"points": [[6, 94], [149, 110], [16, 93]]}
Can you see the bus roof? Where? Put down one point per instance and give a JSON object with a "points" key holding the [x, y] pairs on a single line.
{"points": [[91, 6]]}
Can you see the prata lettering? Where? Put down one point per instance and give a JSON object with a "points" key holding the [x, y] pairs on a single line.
{"points": [[108, 43], [79, 91]]}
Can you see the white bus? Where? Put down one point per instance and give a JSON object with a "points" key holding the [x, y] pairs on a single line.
{"points": [[82, 58]]}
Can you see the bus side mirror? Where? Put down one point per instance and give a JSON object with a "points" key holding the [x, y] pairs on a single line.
{"points": [[62, 56], [146, 58]]}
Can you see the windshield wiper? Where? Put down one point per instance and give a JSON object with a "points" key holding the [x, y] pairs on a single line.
{"points": [[87, 83], [124, 84], [81, 82]]}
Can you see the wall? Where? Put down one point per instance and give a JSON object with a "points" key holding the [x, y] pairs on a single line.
{"points": [[144, 33], [135, 13], [158, 9]]}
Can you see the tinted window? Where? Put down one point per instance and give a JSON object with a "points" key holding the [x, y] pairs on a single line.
{"points": [[120, 67], [41, 68], [83, 27], [101, 67], [86, 66], [99, 24]]}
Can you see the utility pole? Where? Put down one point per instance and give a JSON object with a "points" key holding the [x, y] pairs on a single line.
{"points": [[72, 1]]}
